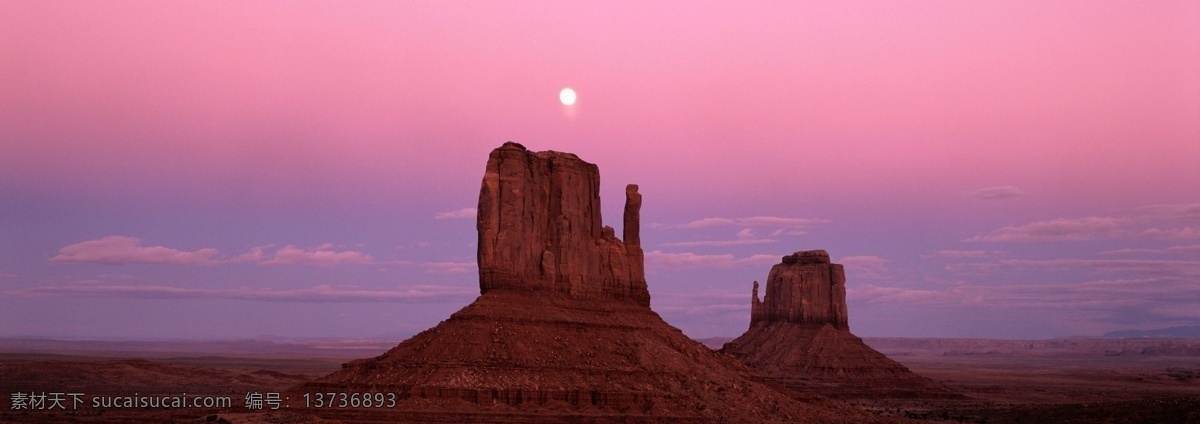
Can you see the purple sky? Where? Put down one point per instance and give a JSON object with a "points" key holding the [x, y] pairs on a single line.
{"points": [[211, 169]]}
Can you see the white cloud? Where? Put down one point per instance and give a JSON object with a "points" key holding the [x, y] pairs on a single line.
{"points": [[774, 221], [709, 222], [717, 305], [688, 259], [1142, 266], [1161, 222], [253, 255], [1111, 295], [957, 294], [744, 237], [1129, 251], [322, 255], [1195, 248], [863, 260], [977, 268], [716, 243], [450, 267], [414, 245], [1089, 228], [997, 193], [1180, 213], [789, 232], [1185, 233], [461, 213], [753, 221], [865, 266], [783, 226], [120, 250], [960, 254], [318, 294]]}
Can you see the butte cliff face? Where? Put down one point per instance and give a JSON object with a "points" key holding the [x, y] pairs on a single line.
{"points": [[806, 288], [540, 229], [562, 330], [800, 335]]}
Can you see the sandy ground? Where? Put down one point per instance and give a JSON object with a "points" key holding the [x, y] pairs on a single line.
{"points": [[1005, 381], [1077, 380]]}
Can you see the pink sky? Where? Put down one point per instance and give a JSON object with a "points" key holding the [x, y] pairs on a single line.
{"points": [[984, 169]]}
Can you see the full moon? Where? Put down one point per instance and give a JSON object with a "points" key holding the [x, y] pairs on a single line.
{"points": [[567, 96]]}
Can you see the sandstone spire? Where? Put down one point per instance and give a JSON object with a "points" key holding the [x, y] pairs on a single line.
{"points": [[540, 228]]}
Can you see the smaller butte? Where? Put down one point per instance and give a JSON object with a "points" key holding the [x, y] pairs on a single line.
{"points": [[800, 336]]}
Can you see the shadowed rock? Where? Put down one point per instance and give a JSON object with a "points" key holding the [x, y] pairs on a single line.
{"points": [[800, 335]]}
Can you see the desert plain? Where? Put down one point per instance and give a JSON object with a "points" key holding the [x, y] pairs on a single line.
{"points": [[1004, 381]]}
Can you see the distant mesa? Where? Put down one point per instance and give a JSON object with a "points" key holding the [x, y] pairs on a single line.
{"points": [[1185, 332], [562, 330], [800, 335]]}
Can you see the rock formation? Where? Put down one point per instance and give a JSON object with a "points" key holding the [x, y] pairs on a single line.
{"points": [[800, 335], [562, 330], [540, 229], [805, 288]]}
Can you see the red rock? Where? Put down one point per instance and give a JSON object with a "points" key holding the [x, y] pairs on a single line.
{"points": [[805, 288], [540, 228], [562, 330], [800, 336]]}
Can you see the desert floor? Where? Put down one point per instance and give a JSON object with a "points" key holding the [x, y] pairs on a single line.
{"points": [[1073, 380]]}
